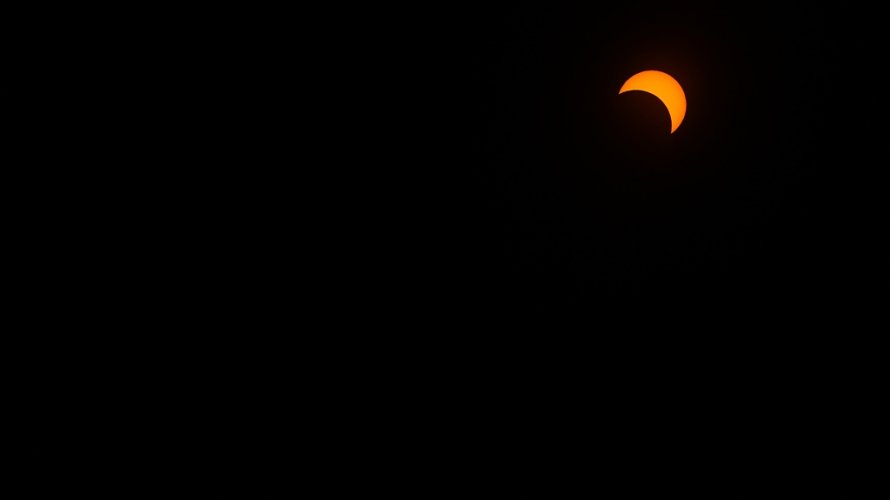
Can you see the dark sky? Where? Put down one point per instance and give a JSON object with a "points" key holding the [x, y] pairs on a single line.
{"points": [[559, 200]]}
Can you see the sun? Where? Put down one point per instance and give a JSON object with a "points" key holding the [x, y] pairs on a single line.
{"points": [[665, 88]]}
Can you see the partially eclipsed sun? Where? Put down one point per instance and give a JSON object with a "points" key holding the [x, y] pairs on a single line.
{"points": [[664, 87]]}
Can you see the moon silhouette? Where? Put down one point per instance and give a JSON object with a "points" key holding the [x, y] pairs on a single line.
{"points": [[665, 88]]}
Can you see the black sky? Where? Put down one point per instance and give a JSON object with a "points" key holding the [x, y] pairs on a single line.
{"points": [[553, 198]]}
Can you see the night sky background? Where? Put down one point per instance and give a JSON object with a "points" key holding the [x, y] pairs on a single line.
{"points": [[556, 298]]}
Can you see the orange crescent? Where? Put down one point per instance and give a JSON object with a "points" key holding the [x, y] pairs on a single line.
{"points": [[665, 88]]}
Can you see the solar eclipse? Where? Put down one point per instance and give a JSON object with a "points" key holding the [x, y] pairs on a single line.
{"points": [[665, 88]]}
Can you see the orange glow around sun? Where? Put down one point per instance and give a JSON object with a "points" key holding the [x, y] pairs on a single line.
{"points": [[664, 87]]}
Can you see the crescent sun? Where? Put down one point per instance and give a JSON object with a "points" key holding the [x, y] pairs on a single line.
{"points": [[665, 88]]}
